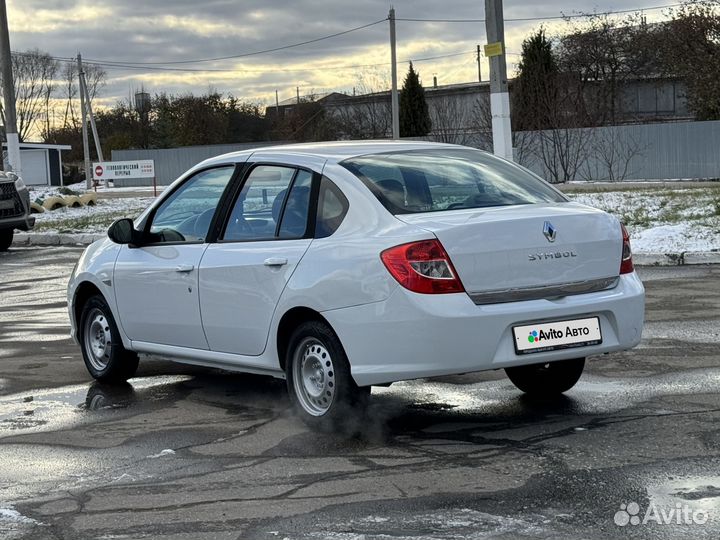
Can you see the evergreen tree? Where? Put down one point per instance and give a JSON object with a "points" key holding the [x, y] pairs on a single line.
{"points": [[414, 115], [535, 89]]}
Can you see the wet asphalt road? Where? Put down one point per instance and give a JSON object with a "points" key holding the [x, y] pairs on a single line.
{"points": [[183, 452]]}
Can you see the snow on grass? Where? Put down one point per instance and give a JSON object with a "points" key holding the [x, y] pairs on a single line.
{"points": [[90, 219], [664, 220], [85, 219]]}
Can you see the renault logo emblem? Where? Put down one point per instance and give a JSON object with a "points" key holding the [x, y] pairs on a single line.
{"points": [[549, 231]]}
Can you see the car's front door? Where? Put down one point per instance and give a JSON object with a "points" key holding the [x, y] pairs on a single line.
{"points": [[243, 275], [156, 285]]}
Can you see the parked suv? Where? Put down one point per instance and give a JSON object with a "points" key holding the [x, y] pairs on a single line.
{"points": [[14, 208]]}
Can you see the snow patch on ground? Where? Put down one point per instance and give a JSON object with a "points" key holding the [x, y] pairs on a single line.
{"points": [[14, 526], [10, 514], [663, 220], [676, 238], [166, 452], [90, 219]]}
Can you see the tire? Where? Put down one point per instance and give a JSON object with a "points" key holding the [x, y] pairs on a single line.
{"points": [[549, 379], [319, 383], [105, 357], [6, 238]]}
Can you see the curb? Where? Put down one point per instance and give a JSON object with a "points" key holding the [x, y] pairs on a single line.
{"points": [[676, 259], [640, 259], [55, 239]]}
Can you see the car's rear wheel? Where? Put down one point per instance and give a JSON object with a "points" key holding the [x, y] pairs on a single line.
{"points": [[547, 379], [105, 357], [319, 381], [6, 238]]}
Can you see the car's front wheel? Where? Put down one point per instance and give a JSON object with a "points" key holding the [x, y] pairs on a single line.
{"points": [[319, 381], [547, 379], [105, 357], [6, 238]]}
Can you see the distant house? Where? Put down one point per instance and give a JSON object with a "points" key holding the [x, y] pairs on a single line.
{"points": [[41, 163], [456, 109], [287, 106]]}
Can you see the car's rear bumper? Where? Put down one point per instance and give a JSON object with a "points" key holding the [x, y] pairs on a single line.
{"points": [[23, 223], [415, 335]]}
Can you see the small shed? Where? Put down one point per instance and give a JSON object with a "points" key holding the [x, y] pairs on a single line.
{"points": [[41, 163]]}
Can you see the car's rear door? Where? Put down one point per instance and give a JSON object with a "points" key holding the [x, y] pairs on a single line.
{"points": [[156, 285], [243, 275]]}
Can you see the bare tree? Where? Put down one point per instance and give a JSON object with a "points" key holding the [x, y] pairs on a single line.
{"points": [[688, 47], [365, 115], [451, 117], [561, 151], [596, 56], [95, 78], [34, 81], [612, 154]]}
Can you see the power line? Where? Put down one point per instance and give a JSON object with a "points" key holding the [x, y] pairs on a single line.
{"points": [[244, 55], [244, 70], [552, 18]]}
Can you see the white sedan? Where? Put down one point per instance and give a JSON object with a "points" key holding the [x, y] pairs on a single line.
{"points": [[339, 266]]}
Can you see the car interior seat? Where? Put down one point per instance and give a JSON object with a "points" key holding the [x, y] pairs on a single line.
{"points": [[393, 190]]}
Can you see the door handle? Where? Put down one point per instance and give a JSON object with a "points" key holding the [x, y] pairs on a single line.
{"points": [[276, 261], [185, 268]]}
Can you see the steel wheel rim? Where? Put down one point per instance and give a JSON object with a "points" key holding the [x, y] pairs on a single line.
{"points": [[98, 339], [313, 376]]}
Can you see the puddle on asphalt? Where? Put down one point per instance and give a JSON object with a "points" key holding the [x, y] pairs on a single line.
{"points": [[697, 493], [51, 409], [592, 394]]}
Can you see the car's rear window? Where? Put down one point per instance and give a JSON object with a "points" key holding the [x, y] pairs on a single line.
{"points": [[447, 179]]}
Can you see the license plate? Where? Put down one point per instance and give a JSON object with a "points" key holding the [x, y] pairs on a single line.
{"points": [[551, 336], [6, 205]]}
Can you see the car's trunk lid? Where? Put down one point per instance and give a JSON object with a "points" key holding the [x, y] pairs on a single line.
{"points": [[510, 248]]}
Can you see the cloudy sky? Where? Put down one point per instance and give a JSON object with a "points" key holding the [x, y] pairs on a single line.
{"points": [[155, 35]]}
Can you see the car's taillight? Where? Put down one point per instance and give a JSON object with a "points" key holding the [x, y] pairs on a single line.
{"points": [[422, 267], [626, 264]]}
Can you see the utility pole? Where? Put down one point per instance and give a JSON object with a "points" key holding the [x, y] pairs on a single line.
{"points": [[98, 148], [395, 105], [86, 145], [13, 140], [499, 96], [297, 91], [478, 62]]}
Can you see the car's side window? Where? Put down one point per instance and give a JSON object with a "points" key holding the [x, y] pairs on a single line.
{"points": [[186, 215], [268, 193], [331, 210], [295, 216]]}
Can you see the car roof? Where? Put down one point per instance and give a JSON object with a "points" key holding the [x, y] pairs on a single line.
{"points": [[333, 151]]}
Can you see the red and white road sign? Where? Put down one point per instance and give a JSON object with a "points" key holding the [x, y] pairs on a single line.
{"points": [[111, 170]]}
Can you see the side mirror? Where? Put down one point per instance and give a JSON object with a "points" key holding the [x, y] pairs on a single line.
{"points": [[123, 232]]}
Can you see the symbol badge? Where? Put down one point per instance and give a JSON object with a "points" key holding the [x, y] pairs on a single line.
{"points": [[549, 231]]}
